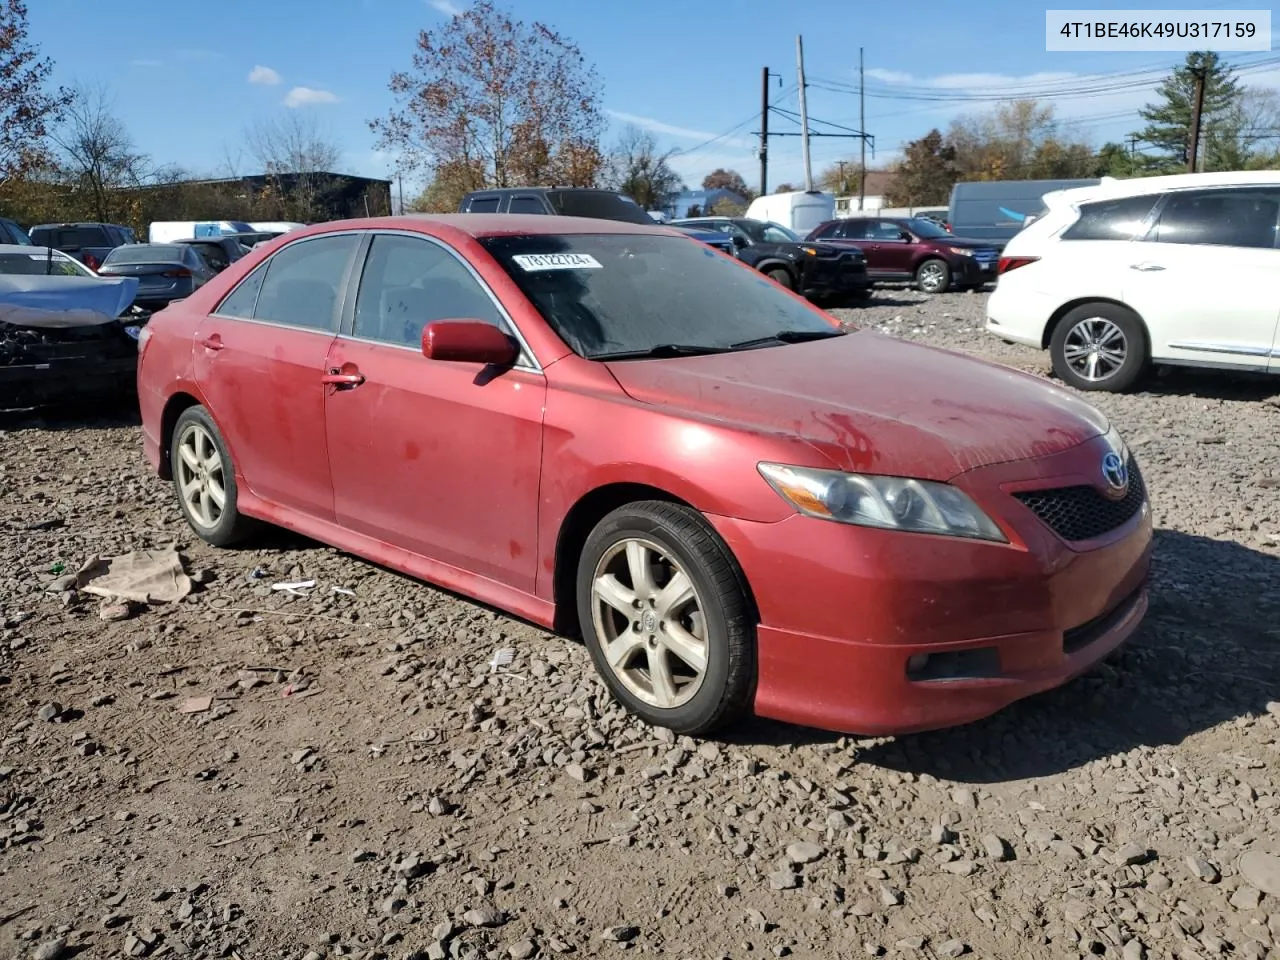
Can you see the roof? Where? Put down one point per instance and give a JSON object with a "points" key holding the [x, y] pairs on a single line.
{"points": [[1136, 186], [33, 250], [490, 225]]}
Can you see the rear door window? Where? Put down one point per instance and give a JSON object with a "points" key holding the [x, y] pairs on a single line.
{"points": [[483, 205], [303, 280], [1230, 217], [526, 205], [1120, 219]]}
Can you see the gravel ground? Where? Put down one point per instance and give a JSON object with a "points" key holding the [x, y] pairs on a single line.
{"points": [[361, 783]]}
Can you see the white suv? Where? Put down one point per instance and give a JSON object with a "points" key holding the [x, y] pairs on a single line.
{"points": [[1171, 270]]}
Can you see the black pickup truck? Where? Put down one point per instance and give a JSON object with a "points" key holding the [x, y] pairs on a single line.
{"points": [[87, 242]]}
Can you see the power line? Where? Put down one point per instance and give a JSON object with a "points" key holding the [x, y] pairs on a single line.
{"points": [[732, 130]]}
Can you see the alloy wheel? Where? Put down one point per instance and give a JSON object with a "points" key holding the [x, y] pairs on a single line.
{"points": [[1095, 349], [201, 478], [932, 277], [649, 622]]}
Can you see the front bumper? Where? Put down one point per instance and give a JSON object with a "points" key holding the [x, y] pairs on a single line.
{"points": [[969, 271], [1014, 619], [843, 275]]}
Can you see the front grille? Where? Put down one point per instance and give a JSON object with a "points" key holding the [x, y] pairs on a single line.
{"points": [[1082, 513]]}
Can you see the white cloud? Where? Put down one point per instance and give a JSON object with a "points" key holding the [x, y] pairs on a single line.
{"points": [[889, 76], [446, 7], [976, 82], [264, 75], [683, 133], [307, 96]]}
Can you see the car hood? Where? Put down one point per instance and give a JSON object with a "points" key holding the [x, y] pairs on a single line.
{"points": [[872, 403]]}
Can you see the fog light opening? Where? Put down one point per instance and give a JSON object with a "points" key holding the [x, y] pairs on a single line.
{"points": [[917, 663], [981, 663]]}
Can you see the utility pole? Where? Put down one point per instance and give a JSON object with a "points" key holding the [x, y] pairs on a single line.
{"points": [[400, 190], [1197, 108], [841, 165], [862, 126], [764, 131], [804, 115]]}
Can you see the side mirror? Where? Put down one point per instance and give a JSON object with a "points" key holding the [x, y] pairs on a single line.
{"points": [[739, 241], [468, 341]]}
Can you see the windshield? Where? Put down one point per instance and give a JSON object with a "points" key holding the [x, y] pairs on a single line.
{"points": [[761, 231], [925, 228], [40, 265], [631, 293], [146, 253]]}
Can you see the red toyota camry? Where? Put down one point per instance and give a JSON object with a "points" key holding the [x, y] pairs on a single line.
{"points": [[615, 430]]}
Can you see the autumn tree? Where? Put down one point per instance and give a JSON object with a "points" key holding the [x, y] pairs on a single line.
{"points": [[840, 178], [516, 101], [925, 174], [28, 109], [450, 182], [1243, 138], [1021, 140], [722, 179], [1168, 119], [637, 168], [96, 154], [784, 188]]}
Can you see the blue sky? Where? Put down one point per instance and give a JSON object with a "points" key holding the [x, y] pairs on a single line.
{"points": [[187, 79]]}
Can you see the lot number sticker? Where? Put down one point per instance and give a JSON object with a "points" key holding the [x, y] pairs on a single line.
{"points": [[531, 262]]}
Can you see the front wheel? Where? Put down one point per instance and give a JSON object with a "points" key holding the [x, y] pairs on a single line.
{"points": [[780, 276], [664, 610], [1099, 346]]}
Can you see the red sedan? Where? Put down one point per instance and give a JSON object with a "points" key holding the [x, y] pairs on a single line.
{"points": [[612, 429]]}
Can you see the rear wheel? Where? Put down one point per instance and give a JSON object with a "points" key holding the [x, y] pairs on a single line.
{"points": [[1099, 346], [205, 479], [664, 611], [933, 276]]}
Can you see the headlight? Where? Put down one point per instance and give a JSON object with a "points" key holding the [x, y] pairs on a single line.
{"points": [[962, 251], [890, 503]]}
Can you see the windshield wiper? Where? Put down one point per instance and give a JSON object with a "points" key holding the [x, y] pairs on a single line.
{"points": [[663, 350], [788, 336]]}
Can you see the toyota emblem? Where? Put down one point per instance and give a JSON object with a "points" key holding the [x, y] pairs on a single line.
{"points": [[1116, 473]]}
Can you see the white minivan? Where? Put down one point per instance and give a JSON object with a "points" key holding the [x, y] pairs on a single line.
{"points": [[1181, 270]]}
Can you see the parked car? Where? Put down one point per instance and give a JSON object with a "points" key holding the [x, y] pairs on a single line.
{"points": [[819, 271], [87, 242], [218, 252], [1178, 270], [995, 210], [165, 271], [914, 250], [29, 260], [739, 503], [11, 233], [578, 202]]}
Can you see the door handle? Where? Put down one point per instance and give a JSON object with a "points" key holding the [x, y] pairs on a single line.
{"points": [[1145, 267], [212, 342], [337, 378]]}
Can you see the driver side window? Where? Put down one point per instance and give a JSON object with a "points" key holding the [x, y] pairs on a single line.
{"points": [[407, 283], [885, 230]]}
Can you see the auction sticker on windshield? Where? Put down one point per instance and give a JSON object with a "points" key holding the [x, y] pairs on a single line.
{"points": [[531, 262]]}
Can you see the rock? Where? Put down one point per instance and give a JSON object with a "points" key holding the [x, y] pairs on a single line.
{"points": [[953, 948], [784, 880], [559, 946], [1262, 870], [1135, 950], [1203, 869], [803, 852], [437, 950], [623, 934], [1245, 898], [51, 949], [1130, 854], [522, 949], [961, 868], [890, 896], [964, 797], [942, 834], [393, 905], [578, 772], [437, 807], [485, 916], [113, 611], [995, 847], [50, 712]]}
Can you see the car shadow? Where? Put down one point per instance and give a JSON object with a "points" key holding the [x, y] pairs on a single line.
{"points": [[1207, 653], [1212, 384], [101, 414]]}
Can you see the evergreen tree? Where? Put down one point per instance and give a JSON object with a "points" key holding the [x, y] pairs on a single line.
{"points": [[1168, 128]]}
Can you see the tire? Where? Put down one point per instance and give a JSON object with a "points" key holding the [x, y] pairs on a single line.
{"points": [[667, 540], [780, 276], [933, 276], [199, 435], [1108, 324]]}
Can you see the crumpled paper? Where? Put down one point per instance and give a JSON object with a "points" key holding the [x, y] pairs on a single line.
{"points": [[144, 576]]}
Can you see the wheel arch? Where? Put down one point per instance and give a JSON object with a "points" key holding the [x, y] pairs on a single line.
{"points": [[179, 401], [1057, 317], [581, 518]]}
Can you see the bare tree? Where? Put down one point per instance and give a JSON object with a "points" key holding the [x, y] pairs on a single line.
{"points": [[297, 156], [27, 109], [636, 167], [96, 152]]}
